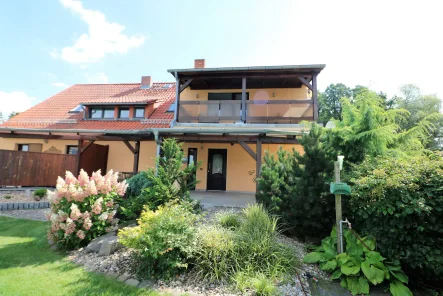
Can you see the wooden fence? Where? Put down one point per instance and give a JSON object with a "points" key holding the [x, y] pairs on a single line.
{"points": [[18, 168]]}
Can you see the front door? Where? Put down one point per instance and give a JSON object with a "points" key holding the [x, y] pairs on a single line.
{"points": [[217, 169], [192, 159]]}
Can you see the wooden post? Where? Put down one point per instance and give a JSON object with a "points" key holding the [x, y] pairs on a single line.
{"points": [[177, 96], [79, 154], [258, 164], [243, 99], [338, 214], [315, 96], [136, 157]]}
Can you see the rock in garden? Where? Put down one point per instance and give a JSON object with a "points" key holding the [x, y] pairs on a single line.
{"points": [[104, 245]]}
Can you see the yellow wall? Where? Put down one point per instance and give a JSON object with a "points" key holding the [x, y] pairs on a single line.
{"points": [[120, 158], [240, 165], [240, 169], [254, 94]]}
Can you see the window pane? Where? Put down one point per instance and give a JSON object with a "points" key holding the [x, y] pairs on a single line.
{"points": [[139, 112], [23, 147], [96, 113], [217, 164], [108, 113], [124, 113], [72, 149]]}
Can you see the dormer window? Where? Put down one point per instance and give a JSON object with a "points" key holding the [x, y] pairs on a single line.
{"points": [[139, 113], [123, 113], [99, 113]]}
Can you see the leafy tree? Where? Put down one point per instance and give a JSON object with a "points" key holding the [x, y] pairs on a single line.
{"points": [[13, 113], [329, 102], [420, 106], [368, 128]]}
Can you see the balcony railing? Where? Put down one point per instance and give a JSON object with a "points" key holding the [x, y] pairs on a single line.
{"points": [[270, 111]]}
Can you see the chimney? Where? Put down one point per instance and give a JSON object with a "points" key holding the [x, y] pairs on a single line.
{"points": [[146, 82], [199, 63]]}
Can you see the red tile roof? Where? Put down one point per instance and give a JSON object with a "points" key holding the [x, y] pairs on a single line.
{"points": [[53, 113]]}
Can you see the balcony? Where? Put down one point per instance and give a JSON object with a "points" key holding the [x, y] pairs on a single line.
{"points": [[261, 112]]}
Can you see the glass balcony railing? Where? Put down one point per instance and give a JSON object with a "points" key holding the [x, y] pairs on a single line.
{"points": [[230, 111]]}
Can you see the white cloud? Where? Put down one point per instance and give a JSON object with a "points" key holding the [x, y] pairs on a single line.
{"points": [[96, 78], [103, 37], [16, 101], [60, 84]]}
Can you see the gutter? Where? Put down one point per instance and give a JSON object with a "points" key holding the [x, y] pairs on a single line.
{"points": [[176, 130]]}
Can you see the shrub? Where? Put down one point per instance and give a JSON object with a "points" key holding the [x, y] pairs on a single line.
{"points": [[253, 248], [259, 284], [401, 203], [7, 197], [163, 240], [84, 208], [359, 266], [228, 219], [171, 180], [295, 186], [136, 184], [41, 192]]}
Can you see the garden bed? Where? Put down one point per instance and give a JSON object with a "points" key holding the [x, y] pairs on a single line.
{"points": [[120, 264], [19, 196]]}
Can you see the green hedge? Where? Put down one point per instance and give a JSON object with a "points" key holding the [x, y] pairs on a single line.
{"points": [[401, 203]]}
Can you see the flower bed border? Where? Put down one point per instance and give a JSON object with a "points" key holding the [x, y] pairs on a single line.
{"points": [[8, 206]]}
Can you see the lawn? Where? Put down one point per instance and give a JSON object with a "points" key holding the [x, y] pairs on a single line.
{"points": [[29, 267]]}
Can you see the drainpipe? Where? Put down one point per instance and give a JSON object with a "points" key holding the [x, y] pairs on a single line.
{"points": [[341, 233]]}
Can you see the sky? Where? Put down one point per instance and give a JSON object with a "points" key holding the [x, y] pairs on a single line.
{"points": [[47, 46]]}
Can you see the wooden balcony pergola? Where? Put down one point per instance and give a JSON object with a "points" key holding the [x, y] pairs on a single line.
{"points": [[271, 111]]}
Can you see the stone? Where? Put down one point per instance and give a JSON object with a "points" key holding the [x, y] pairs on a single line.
{"points": [[91, 268], [123, 277], [104, 245], [132, 282], [146, 284]]}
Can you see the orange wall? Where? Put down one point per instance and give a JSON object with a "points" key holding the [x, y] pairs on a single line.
{"points": [[120, 158], [254, 94], [240, 165]]}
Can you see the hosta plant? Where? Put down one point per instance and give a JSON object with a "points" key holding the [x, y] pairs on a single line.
{"points": [[359, 266], [83, 208]]}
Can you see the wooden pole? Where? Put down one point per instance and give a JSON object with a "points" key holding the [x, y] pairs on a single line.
{"points": [[315, 96], [338, 213], [136, 157], [79, 155]]}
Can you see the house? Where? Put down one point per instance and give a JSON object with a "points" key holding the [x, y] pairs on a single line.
{"points": [[227, 118]]}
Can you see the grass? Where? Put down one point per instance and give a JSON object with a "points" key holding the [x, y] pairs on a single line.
{"points": [[29, 267]]}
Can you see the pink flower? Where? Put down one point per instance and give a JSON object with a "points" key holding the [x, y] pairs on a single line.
{"points": [[75, 212], [97, 207], [91, 189], [110, 204], [87, 224], [83, 178], [62, 215], [97, 176], [70, 226], [69, 178], [86, 214], [80, 234], [111, 216]]}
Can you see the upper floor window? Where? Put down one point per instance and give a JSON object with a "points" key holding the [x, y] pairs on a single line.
{"points": [[98, 113], [139, 113], [123, 113]]}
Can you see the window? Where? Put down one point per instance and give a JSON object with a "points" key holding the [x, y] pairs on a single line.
{"points": [[23, 147], [71, 149], [108, 113], [34, 147], [139, 113], [98, 113], [226, 96], [123, 113]]}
